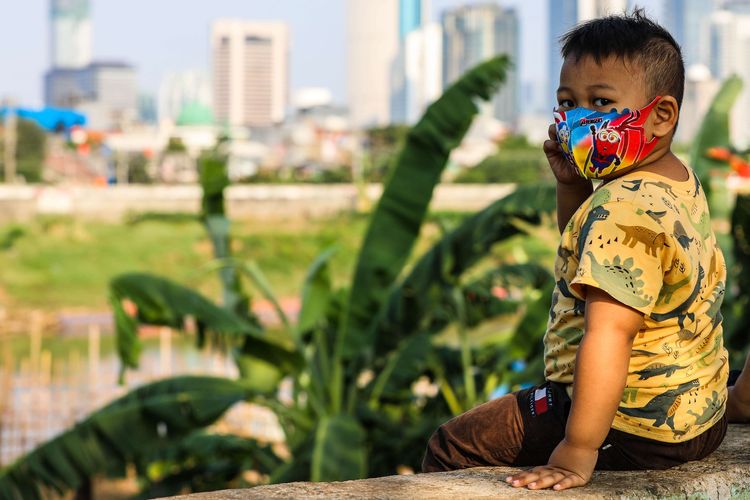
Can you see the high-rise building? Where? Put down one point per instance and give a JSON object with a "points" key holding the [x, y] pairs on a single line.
{"points": [[474, 33], [416, 78], [592, 9], [700, 88], [563, 15], [250, 72], [423, 69], [689, 22], [185, 88], [70, 33], [106, 92], [372, 50], [730, 54]]}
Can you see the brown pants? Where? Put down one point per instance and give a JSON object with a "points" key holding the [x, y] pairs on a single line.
{"points": [[523, 428]]}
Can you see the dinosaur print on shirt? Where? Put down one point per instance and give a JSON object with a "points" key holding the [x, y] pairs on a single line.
{"points": [[647, 241]]}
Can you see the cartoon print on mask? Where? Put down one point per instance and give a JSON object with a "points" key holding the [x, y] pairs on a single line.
{"points": [[605, 143], [599, 143], [563, 137]]}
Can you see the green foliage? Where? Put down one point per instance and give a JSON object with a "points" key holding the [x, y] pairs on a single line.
{"points": [[521, 166], [516, 161], [175, 145], [168, 217], [9, 237], [383, 146], [160, 301], [355, 410], [339, 451], [419, 301], [395, 224], [138, 169], [714, 131], [206, 462], [31, 143], [122, 432]]}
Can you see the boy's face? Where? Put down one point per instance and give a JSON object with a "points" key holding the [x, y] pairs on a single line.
{"points": [[612, 84]]}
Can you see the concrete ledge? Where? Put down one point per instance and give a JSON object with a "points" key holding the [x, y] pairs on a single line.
{"points": [[111, 203], [725, 474]]}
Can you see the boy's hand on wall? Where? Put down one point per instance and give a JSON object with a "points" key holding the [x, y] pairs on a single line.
{"points": [[568, 467], [565, 173]]}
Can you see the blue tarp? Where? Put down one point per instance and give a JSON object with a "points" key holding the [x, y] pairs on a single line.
{"points": [[50, 119]]}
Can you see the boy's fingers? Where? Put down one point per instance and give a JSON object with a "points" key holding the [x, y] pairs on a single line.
{"points": [[570, 481], [551, 147], [547, 479], [552, 131], [523, 478]]}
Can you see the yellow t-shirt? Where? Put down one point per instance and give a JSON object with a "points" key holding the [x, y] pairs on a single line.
{"points": [[647, 241]]}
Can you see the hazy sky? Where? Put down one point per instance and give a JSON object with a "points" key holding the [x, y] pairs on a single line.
{"points": [[159, 36]]}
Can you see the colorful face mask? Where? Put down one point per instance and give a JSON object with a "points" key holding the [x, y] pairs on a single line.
{"points": [[599, 143]]}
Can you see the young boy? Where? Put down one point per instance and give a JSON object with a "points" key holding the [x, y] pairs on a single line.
{"points": [[635, 367]]}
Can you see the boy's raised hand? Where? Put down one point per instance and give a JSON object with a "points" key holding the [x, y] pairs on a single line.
{"points": [[572, 189], [565, 173]]}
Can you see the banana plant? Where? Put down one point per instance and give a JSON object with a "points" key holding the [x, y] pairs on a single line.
{"points": [[356, 353], [713, 150], [123, 432]]}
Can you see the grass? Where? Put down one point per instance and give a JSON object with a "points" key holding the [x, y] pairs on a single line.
{"points": [[65, 264], [58, 264]]}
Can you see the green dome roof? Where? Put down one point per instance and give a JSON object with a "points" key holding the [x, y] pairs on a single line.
{"points": [[195, 113]]}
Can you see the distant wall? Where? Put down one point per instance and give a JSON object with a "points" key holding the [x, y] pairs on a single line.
{"points": [[111, 203]]}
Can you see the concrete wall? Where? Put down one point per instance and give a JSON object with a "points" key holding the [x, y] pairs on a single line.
{"points": [[722, 475], [111, 203]]}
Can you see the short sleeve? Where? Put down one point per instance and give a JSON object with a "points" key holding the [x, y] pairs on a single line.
{"points": [[621, 251]]}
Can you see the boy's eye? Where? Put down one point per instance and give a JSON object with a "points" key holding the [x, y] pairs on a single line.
{"points": [[565, 103], [600, 101]]}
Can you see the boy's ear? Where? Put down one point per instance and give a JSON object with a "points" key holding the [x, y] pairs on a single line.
{"points": [[665, 115]]}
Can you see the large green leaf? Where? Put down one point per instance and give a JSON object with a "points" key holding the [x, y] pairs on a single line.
{"points": [[402, 366], [714, 130], [160, 301], [316, 293], [339, 451], [526, 343], [130, 427], [437, 271], [395, 223], [735, 308], [206, 462], [214, 179]]}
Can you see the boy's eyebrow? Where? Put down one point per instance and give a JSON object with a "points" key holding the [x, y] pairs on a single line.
{"points": [[601, 86], [590, 87]]}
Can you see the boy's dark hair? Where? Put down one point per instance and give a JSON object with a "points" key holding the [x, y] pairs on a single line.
{"points": [[636, 38]]}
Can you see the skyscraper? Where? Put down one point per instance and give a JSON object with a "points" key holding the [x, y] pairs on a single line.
{"points": [[563, 15], [70, 33], [730, 54], [689, 22], [106, 91], [472, 34], [250, 72], [592, 9], [416, 76], [372, 49]]}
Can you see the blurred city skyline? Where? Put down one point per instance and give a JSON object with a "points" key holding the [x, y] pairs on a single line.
{"points": [[159, 38]]}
